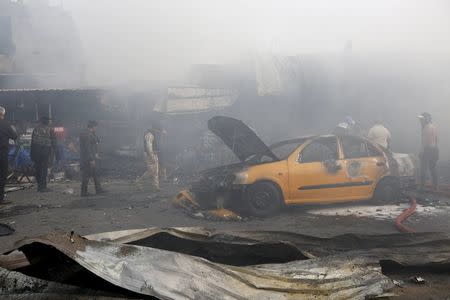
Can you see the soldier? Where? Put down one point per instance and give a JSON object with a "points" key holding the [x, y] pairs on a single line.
{"points": [[151, 147], [43, 141], [88, 159], [6, 133]]}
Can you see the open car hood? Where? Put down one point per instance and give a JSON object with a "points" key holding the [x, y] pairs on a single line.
{"points": [[242, 140]]}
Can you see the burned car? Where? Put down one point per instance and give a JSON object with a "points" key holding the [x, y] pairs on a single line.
{"points": [[315, 169]]}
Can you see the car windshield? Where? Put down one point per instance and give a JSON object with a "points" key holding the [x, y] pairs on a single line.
{"points": [[281, 150]]}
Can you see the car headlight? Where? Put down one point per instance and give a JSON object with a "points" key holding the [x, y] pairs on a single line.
{"points": [[240, 178]]}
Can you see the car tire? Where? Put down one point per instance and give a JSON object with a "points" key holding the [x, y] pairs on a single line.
{"points": [[387, 191], [263, 199]]}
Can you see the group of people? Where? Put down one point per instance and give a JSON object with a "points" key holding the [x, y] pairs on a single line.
{"points": [[429, 154], [43, 145], [44, 149]]}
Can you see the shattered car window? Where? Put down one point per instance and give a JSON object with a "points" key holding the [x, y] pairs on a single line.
{"points": [[320, 150], [354, 147]]}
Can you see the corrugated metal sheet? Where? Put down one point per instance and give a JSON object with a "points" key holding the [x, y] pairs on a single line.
{"points": [[342, 267]]}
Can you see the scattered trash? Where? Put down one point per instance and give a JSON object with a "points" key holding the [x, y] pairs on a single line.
{"points": [[58, 176], [385, 212], [418, 280], [187, 202], [153, 197], [198, 215], [15, 188], [399, 283], [222, 214], [69, 191]]}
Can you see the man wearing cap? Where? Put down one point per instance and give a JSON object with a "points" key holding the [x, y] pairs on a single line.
{"points": [[430, 152], [88, 159], [6, 133], [43, 142]]}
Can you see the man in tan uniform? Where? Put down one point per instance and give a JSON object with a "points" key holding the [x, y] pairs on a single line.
{"points": [[430, 152], [151, 152]]}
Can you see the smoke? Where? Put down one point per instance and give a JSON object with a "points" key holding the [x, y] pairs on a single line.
{"points": [[159, 40], [386, 59]]}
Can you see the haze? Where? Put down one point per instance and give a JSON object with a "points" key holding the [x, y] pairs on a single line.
{"points": [[140, 40]]}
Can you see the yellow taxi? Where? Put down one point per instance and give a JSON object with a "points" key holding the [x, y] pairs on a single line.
{"points": [[315, 169]]}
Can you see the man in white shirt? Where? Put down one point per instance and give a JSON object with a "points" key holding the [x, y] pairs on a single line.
{"points": [[380, 135]]}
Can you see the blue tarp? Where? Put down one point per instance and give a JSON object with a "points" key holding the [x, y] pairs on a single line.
{"points": [[22, 158]]}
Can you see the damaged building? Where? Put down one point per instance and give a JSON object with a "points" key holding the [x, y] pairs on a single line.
{"points": [[218, 167]]}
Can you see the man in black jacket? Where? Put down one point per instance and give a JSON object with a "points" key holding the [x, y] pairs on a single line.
{"points": [[6, 133], [43, 142], [88, 158]]}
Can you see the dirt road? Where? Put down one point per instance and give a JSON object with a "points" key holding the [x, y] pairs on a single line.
{"points": [[125, 207]]}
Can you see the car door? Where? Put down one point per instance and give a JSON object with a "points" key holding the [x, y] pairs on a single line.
{"points": [[364, 165], [316, 172]]}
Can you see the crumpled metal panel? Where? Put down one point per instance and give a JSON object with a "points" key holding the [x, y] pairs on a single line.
{"points": [[352, 272], [15, 285], [170, 275]]}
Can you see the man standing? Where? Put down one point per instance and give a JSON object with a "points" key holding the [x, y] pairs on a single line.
{"points": [[151, 147], [6, 133], [380, 135], [430, 152], [88, 159], [43, 142]]}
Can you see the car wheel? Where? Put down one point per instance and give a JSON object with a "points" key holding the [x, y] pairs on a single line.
{"points": [[263, 199], [387, 191]]}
